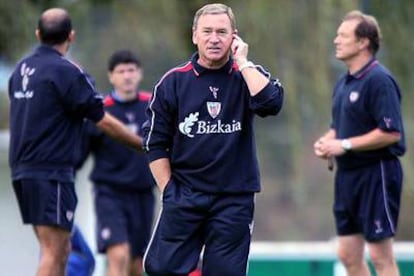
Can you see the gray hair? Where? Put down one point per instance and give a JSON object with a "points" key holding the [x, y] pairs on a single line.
{"points": [[215, 9]]}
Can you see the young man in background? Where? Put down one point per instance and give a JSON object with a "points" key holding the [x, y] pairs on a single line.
{"points": [[123, 184]]}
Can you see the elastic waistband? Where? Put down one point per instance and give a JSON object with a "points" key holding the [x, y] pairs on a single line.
{"points": [[351, 164], [41, 166], [123, 187]]}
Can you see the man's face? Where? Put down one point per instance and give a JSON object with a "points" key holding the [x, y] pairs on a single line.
{"points": [[346, 42], [213, 37], [125, 78]]}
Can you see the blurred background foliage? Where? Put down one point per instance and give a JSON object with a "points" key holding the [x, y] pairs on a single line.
{"points": [[292, 38]]}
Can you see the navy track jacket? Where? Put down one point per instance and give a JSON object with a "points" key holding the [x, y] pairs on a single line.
{"points": [[117, 165], [49, 97], [202, 120]]}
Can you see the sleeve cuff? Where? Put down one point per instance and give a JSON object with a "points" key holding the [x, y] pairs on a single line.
{"points": [[153, 155], [96, 116], [265, 94], [384, 128], [390, 125]]}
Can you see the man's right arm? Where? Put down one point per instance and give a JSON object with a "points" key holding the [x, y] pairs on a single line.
{"points": [[159, 130], [118, 131]]}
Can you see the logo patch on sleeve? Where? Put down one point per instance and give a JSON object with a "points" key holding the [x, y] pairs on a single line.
{"points": [[387, 122]]}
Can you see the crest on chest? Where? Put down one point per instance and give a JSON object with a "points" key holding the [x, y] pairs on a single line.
{"points": [[214, 109], [353, 96]]}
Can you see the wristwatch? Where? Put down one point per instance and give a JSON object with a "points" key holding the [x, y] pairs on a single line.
{"points": [[346, 144]]}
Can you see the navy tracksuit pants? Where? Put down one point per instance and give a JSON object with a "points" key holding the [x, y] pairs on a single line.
{"points": [[189, 220]]}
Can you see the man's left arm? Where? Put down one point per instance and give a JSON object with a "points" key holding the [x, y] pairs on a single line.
{"points": [[373, 140], [83, 101], [266, 93]]}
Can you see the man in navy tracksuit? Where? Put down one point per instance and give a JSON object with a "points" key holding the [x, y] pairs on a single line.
{"points": [[123, 184], [49, 98], [201, 148], [366, 137]]}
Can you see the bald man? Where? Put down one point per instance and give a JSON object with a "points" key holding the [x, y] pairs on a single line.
{"points": [[50, 96]]}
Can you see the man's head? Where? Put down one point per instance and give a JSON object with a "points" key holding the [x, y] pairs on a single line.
{"points": [[124, 72], [358, 33], [55, 27], [213, 29]]}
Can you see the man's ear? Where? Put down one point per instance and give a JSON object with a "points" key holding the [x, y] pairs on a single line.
{"points": [[110, 77], [71, 36], [363, 43], [37, 33], [194, 37]]}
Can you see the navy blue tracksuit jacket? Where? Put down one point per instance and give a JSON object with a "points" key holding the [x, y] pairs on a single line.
{"points": [[202, 120], [117, 165], [49, 97]]}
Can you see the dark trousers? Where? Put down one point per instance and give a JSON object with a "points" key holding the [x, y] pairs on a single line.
{"points": [[189, 220]]}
